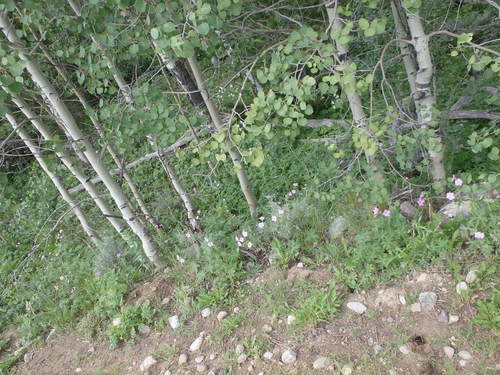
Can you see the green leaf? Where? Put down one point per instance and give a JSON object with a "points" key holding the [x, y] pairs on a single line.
{"points": [[140, 5], [155, 33], [205, 9], [223, 4], [15, 87], [204, 28], [219, 137], [133, 49], [363, 23], [168, 27], [258, 158]]}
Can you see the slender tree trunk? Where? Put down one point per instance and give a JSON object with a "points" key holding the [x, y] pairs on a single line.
{"points": [[232, 150], [114, 189], [425, 101], [407, 50], [183, 195], [66, 159], [120, 81], [34, 149], [109, 145], [355, 104]]}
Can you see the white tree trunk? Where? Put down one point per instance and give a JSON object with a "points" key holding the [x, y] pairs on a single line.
{"points": [[114, 189], [425, 101], [65, 157], [232, 150], [34, 149]]}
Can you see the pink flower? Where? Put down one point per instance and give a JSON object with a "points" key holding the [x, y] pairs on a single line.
{"points": [[293, 191], [386, 213], [274, 218], [179, 259], [295, 184], [421, 200], [261, 225], [210, 244], [61, 278], [479, 235], [281, 212], [458, 182], [450, 196], [245, 234], [261, 218], [376, 211]]}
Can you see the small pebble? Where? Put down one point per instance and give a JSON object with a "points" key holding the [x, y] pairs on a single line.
{"points": [[268, 355], [183, 358], [300, 265], [346, 370], [199, 359], [148, 362], [242, 358], [402, 299], [290, 319], [462, 362], [427, 300], [449, 351], [174, 321], [443, 317], [453, 319], [239, 349], [321, 362], [464, 354], [461, 287], [221, 315], [196, 344], [206, 312], [377, 348], [471, 276], [236, 310], [266, 328], [357, 307], [404, 349], [416, 307], [288, 356]]}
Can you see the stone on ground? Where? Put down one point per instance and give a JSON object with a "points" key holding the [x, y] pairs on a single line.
{"points": [[321, 362], [148, 362], [288, 356], [427, 300], [357, 307]]}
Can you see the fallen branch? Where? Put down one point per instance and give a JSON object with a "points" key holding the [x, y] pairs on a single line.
{"points": [[325, 123], [473, 114]]}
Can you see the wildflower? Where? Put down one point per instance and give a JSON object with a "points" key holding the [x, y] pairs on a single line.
{"points": [[479, 235], [293, 191], [61, 278], [421, 200], [376, 211], [188, 235], [245, 234], [295, 184], [206, 239], [281, 212], [450, 196], [386, 213], [458, 182], [249, 245], [181, 260], [210, 244], [56, 287], [237, 239], [274, 218], [261, 218], [261, 225], [119, 255]]}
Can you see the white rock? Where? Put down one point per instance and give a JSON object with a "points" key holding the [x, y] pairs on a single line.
{"points": [[462, 362], [290, 319], [201, 368], [416, 307], [346, 370], [288, 356], [402, 299], [242, 358], [357, 307], [221, 315], [196, 344], [268, 355], [144, 329], [78, 369], [427, 300], [174, 321], [377, 348], [453, 319], [464, 354], [148, 362], [206, 312], [239, 349], [461, 286], [199, 359], [449, 351], [300, 265], [443, 317], [183, 358], [404, 349], [260, 373], [236, 310], [212, 356], [321, 362], [471, 276]]}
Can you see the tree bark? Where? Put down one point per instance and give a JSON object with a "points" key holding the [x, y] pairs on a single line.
{"points": [[69, 122], [425, 101], [87, 228], [233, 152]]}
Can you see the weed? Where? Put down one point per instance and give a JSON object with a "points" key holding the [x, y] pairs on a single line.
{"points": [[319, 305]]}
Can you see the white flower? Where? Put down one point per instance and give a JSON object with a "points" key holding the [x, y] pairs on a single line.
{"points": [[61, 278], [295, 184], [249, 245], [245, 234], [281, 212], [261, 225], [210, 244], [181, 260], [188, 235], [274, 218], [261, 218], [294, 191]]}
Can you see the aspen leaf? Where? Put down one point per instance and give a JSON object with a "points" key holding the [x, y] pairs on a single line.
{"points": [[258, 158], [155, 33], [204, 28], [219, 137]]}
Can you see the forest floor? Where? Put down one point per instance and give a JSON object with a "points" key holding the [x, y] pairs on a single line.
{"points": [[402, 331]]}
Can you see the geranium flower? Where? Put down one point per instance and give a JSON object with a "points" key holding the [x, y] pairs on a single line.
{"points": [[386, 213], [450, 196], [479, 235]]}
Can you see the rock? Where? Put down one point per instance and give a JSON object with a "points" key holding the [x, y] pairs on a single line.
{"points": [[346, 370], [290, 319], [174, 321], [267, 328], [338, 226], [404, 349], [236, 310], [199, 359], [78, 369], [242, 358], [427, 300], [321, 362], [422, 278], [239, 349], [416, 307], [201, 368], [453, 319], [389, 297], [357, 307], [408, 210], [221, 315], [267, 355], [464, 354], [402, 299], [449, 351], [454, 209], [471, 276], [28, 357], [144, 329], [148, 362], [300, 265], [443, 317], [183, 358], [288, 356], [196, 344], [461, 286], [206, 312], [212, 357], [377, 348]]}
